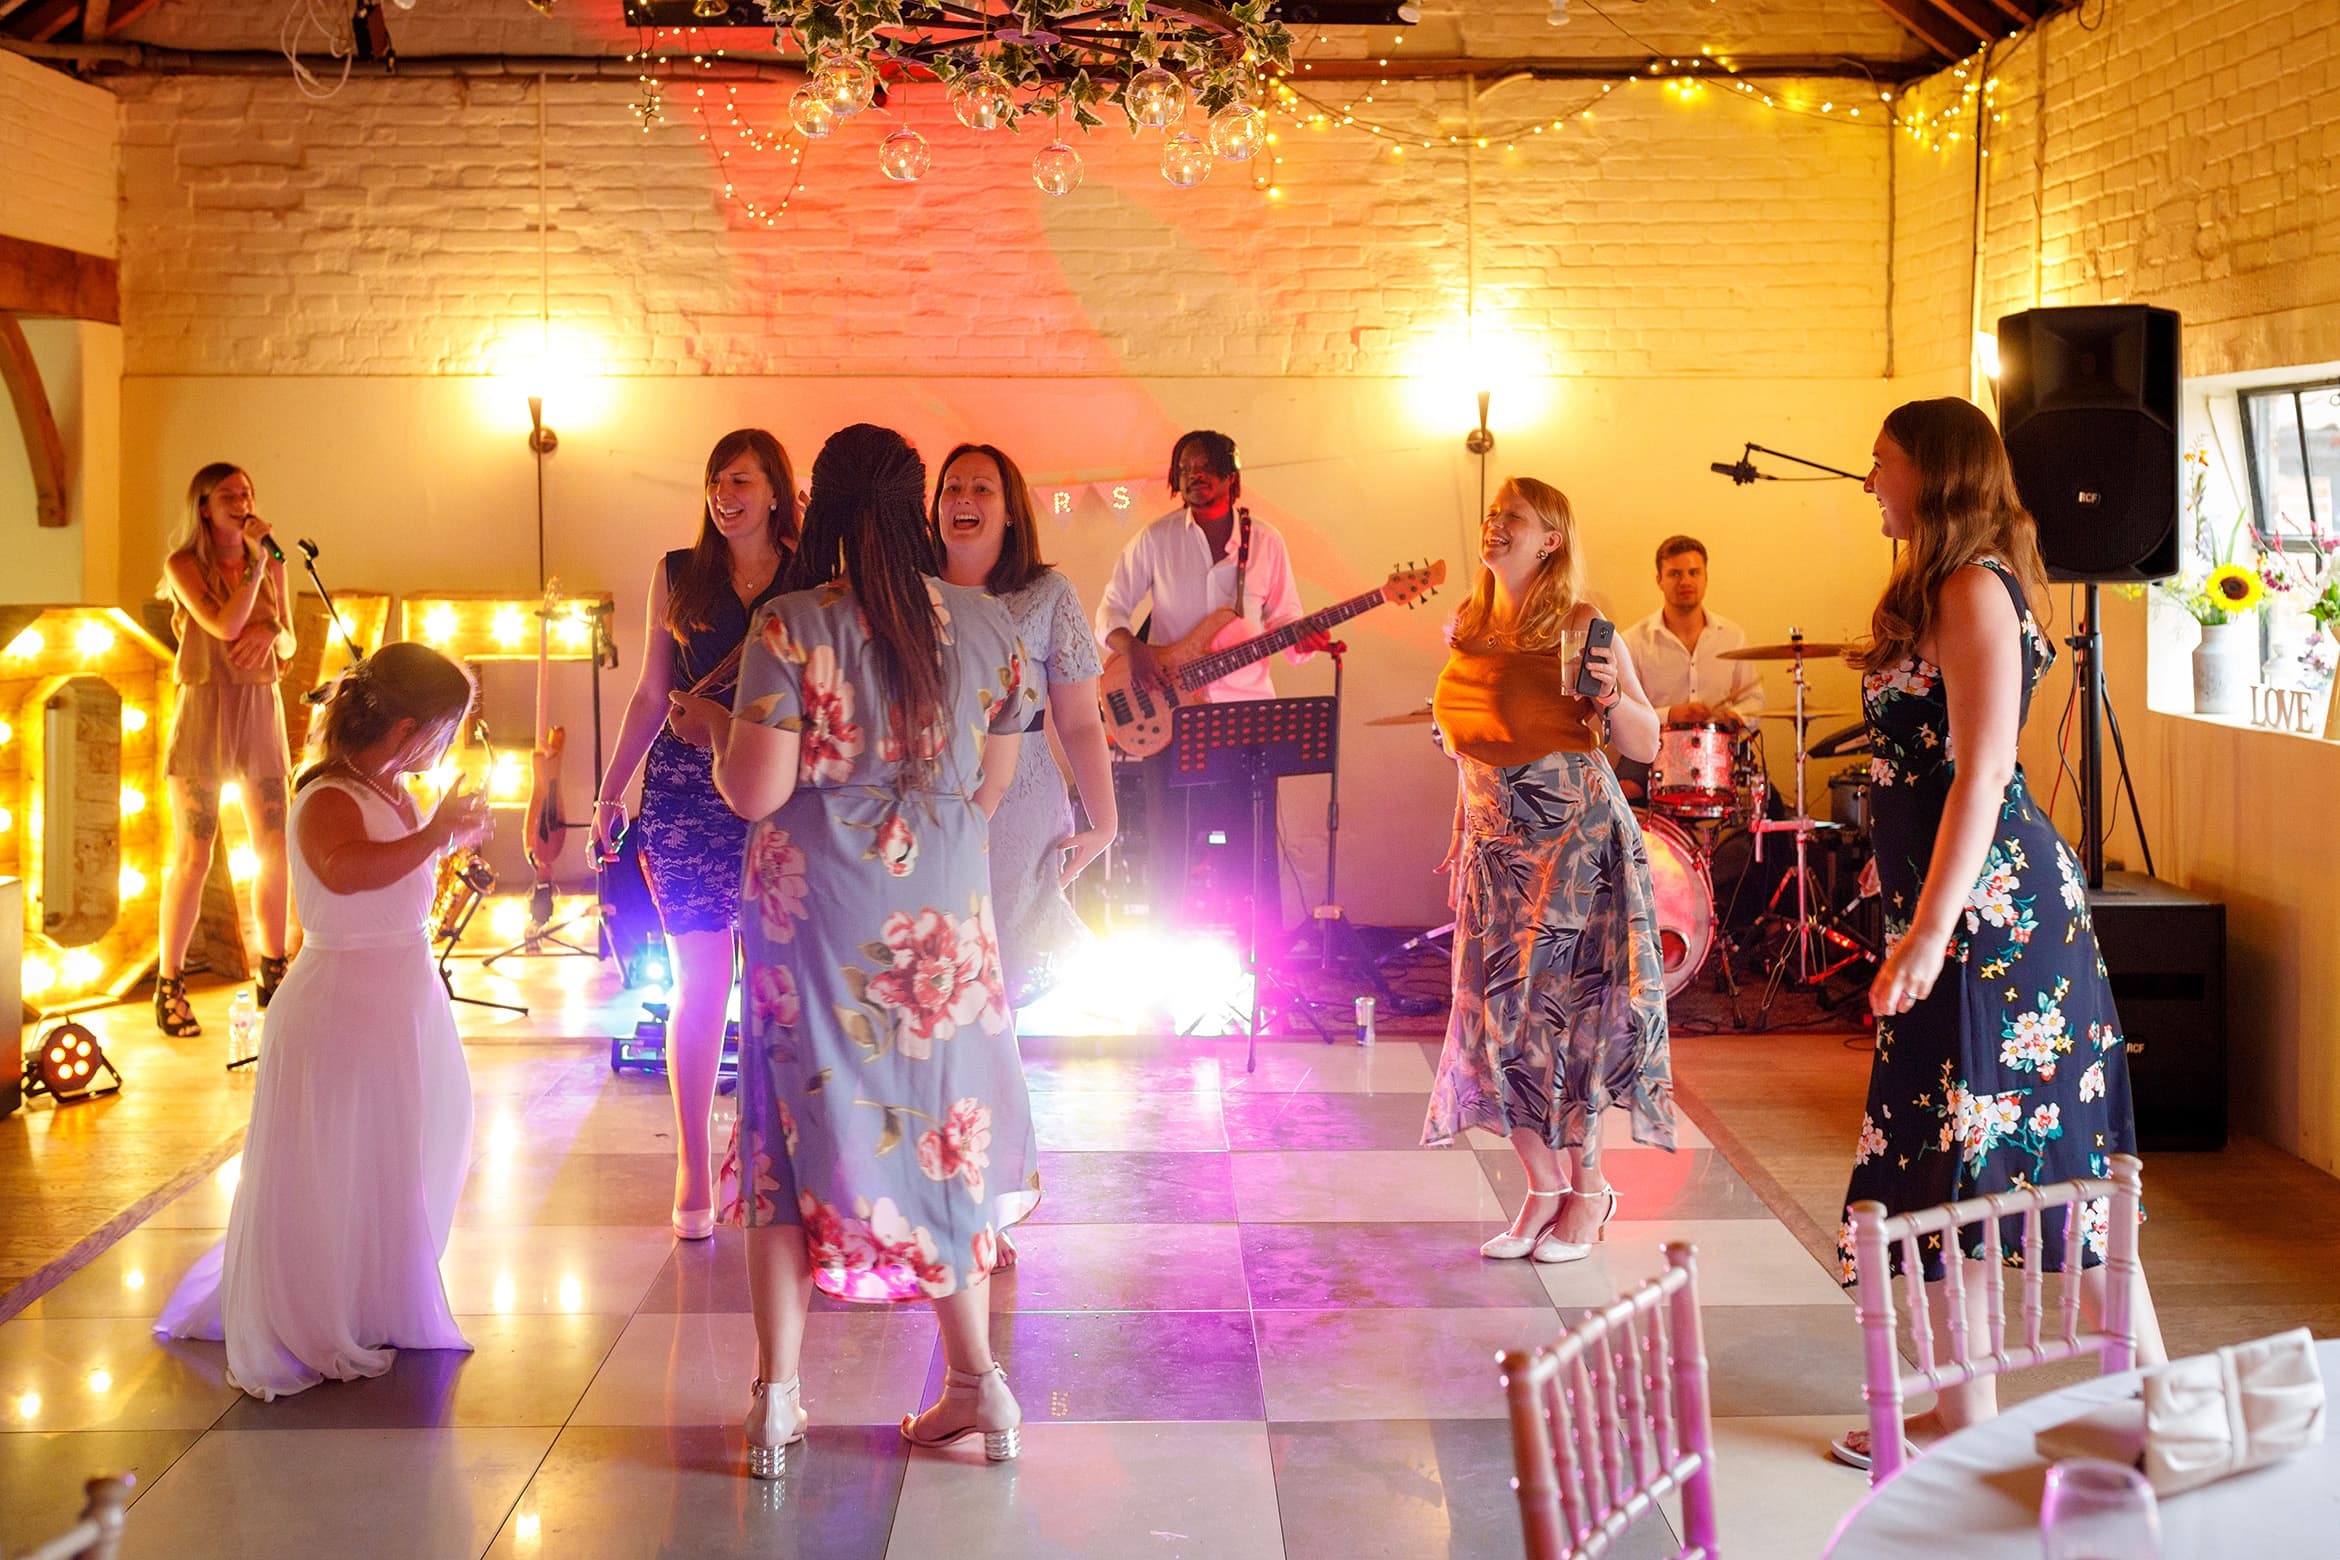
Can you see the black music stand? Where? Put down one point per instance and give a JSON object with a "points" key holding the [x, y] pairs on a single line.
{"points": [[1257, 742]]}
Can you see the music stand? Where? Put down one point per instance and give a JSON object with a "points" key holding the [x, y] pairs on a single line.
{"points": [[1257, 742]]}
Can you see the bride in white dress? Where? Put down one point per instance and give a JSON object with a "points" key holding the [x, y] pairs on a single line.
{"points": [[361, 1118]]}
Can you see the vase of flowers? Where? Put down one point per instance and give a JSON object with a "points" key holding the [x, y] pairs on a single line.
{"points": [[2223, 597]]}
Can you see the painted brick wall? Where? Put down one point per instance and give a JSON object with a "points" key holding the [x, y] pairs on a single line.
{"points": [[60, 175], [393, 230]]}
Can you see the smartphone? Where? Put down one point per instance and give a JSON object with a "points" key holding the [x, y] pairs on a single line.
{"points": [[1598, 635]]}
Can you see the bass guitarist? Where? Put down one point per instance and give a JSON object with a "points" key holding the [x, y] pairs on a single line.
{"points": [[1204, 555]]}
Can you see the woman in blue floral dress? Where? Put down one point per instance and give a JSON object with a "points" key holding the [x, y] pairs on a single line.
{"points": [[1999, 1061], [885, 1137]]}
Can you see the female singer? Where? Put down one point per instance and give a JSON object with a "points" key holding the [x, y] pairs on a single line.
{"points": [[2010, 1071], [1559, 988], [361, 1119], [234, 622], [984, 532], [885, 1137], [700, 600]]}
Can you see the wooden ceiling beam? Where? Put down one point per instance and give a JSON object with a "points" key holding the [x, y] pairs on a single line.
{"points": [[45, 19], [1928, 27], [95, 15], [125, 14], [49, 282], [43, 448], [1972, 17]]}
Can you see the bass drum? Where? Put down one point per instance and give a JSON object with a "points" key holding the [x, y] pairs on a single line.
{"points": [[1685, 899]]}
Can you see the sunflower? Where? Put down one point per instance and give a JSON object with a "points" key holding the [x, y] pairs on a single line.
{"points": [[2231, 588]]}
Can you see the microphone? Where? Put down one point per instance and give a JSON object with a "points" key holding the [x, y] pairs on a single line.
{"points": [[1741, 471], [275, 552], [308, 549]]}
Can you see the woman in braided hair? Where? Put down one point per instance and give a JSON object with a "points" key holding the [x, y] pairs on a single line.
{"points": [[885, 1138]]}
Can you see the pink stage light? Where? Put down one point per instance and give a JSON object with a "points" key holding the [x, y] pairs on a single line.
{"points": [[1132, 983]]}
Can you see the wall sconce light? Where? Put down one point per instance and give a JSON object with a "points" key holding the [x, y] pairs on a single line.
{"points": [[1479, 441], [540, 438]]}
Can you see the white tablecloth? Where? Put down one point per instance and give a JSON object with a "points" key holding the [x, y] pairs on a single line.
{"points": [[1976, 1495]]}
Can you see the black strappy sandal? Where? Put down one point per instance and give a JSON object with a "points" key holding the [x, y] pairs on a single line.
{"points": [[172, 1013], [271, 976]]}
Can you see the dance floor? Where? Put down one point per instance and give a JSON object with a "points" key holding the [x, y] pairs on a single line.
{"points": [[1250, 1321]]}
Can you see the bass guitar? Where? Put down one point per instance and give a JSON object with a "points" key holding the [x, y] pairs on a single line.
{"points": [[1137, 717], [543, 833]]}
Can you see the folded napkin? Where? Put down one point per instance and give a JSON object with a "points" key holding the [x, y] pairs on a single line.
{"points": [[2202, 1419]]}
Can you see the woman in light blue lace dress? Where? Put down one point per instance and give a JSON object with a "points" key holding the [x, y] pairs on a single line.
{"points": [[984, 531]]}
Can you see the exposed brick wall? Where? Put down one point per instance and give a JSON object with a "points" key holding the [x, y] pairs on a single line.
{"points": [[61, 168], [393, 230]]}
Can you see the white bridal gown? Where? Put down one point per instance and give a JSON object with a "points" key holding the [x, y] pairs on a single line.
{"points": [[361, 1132]]}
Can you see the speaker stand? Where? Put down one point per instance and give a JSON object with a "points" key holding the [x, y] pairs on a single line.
{"points": [[2087, 644]]}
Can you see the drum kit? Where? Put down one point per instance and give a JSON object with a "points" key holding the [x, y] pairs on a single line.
{"points": [[1708, 786]]}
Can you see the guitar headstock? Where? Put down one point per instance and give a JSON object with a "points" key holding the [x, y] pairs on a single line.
{"points": [[1408, 584]]}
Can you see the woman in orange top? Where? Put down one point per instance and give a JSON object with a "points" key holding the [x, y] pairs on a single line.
{"points": [[1559, 992]]}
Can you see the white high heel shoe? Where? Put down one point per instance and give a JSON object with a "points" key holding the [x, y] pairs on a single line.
{"points": [[1510, 1245], [1552, 1249], [972, 1402], [775, 1422]]}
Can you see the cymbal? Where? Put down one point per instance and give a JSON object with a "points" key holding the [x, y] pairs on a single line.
{"points": [[1808, 715], [1809, 649], [1420, 717]]}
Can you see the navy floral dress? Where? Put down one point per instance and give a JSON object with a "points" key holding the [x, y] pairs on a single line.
{"points": [[691, 840], [2011, 1072]]}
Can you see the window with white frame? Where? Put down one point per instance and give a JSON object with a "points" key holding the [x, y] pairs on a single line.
{"points": [[2291, 440]]}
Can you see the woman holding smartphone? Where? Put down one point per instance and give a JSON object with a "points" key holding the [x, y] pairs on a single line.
{"points": [[1559, 991]]}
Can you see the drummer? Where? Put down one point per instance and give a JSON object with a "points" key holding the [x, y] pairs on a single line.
{"points": [[1678, 650]]}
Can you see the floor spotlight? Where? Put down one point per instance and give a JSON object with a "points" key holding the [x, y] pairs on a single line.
{"points": [[66, 1064]]}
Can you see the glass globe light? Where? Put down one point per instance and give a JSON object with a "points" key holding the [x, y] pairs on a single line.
{"points": [[814, 119], [904, 156], [1057, 169], [980, 99], [844, 83], [1238, 131], [1186, 162], [1154, 97]]}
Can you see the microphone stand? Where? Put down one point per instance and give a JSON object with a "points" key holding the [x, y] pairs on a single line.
{"points": [[349, 642], [1743, 471]]}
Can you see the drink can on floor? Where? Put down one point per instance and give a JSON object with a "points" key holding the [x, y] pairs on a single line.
{"points": [[1365, 1020]]}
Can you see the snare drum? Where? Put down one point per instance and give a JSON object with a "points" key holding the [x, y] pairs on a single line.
{"points": [[1685, 899], [1693, 773]]}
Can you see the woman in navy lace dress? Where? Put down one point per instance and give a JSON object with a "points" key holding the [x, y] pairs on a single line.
{"points": [[700, 600], [1999, 1061]]}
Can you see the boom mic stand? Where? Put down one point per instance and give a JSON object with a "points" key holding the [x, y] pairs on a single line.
{"points": [[349, 641]]}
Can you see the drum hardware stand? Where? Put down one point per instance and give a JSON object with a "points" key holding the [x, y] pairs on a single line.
{"points": [[1811, 938], [1259, 741], [1336, 940]]}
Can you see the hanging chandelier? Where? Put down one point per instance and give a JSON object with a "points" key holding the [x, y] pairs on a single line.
{"points": [[1004, 61]]}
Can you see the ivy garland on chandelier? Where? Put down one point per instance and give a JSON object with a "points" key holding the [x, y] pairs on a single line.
{"points": [[1002, 62]]}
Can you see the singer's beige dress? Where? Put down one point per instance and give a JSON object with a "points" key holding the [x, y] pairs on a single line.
{"points": [[229, 723]]}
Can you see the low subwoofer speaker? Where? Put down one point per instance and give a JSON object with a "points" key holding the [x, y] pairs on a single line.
{"points": [[2165, 950], [2088, 405]]}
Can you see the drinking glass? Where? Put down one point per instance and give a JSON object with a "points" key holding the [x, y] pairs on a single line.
{"points": [[2099, 1511]]}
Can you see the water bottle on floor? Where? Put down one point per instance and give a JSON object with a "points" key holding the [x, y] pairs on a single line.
{"points": [[243, 1029]]}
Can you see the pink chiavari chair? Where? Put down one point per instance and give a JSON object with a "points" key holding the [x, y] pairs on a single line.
{"points": [[1967, 1357], [1613, 1418], [98, 1535]]}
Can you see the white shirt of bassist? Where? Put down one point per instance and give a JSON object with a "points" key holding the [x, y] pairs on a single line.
{"points": [[1170, 561]]}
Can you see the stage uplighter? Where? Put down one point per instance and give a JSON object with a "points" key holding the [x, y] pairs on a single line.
{"points": [[67, 1065]]}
